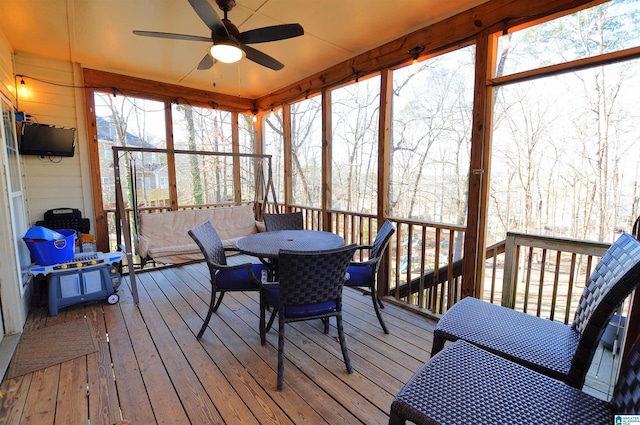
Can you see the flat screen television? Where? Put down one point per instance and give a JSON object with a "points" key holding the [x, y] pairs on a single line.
{"points": [[46, 140]]}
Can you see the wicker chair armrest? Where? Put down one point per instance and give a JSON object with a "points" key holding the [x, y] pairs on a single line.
{"points": [[371, 262], [363, 247]]}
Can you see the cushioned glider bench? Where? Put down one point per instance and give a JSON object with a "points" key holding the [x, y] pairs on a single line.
{"points": [[163, 237]]}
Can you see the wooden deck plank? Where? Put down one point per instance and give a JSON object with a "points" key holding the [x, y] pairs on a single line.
{"points": [[364, 340], [315, 362], [14, 396], [132, 394], [162, 374], [166, 405], [364, 386], [178, 350], [314, 332], [71, 404], [42, 397], [230, 377], [104, 408], [245, 363], [154, 370], [254, 358]]}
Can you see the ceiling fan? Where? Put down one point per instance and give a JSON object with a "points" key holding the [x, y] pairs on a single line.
{"points": [[229, 44]]}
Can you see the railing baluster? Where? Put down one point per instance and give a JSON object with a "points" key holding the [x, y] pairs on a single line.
{"points": [[494, 268], [572, 275], [423, 250], [528, 280], [541, 281], [556, 279], [453, 290]]}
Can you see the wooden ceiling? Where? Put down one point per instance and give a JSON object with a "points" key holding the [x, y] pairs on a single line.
{"points": [[98, 34]]}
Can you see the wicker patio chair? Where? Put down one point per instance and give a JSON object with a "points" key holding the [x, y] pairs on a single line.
{"points": [[286, 221], [552, 348], [464, 384], [224, 278], [310, 287], [365, 273]]}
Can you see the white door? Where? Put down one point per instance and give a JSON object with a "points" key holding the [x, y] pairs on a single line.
{"points": [[15, 259]]}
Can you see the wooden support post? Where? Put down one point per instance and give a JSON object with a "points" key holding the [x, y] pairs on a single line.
{"points": [[384, 161]]}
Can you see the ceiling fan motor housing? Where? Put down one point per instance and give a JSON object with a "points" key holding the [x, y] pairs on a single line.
{"points": [[226, 5]]}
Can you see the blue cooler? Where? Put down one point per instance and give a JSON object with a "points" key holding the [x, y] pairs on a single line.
{"points": [[48, 246]]}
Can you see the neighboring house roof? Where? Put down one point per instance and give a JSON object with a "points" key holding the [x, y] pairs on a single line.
{"points": [[106, 132]]}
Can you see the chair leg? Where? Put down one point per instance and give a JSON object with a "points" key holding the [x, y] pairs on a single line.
{"points": [[343, 342], [280, 353], [394, 419], [438, 344], [376, 301], [271, 319], [263, 328], [325, 321], [219, 301], [212, 307]]}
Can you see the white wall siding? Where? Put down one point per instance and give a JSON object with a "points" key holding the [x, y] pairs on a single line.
{"points": [[54, 182]]}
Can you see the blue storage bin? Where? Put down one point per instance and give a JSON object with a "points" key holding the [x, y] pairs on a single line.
{"points": [[50, 247]]}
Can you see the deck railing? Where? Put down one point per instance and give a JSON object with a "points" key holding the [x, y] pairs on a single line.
{"points": [[539, 275], [416, 248]]}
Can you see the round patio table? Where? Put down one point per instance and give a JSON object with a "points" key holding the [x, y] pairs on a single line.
{"points": [[266, 245]]}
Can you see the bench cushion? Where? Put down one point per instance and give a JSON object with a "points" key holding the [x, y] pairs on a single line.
{"points": [[163, 236]]}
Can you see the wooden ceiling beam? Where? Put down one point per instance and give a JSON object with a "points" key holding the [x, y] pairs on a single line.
{"points": [[448, 34], [134, 86]]}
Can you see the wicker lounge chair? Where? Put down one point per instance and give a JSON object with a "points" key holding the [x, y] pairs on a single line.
{"points": [[310, 287], [286, 221], [241, 277], [464, 384], [554, 349], [365, 273]]}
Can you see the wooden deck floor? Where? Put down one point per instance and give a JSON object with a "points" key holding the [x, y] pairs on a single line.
{"points": [[151, 369]]}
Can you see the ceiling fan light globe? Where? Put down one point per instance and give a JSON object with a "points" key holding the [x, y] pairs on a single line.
{"points": [[226, 53]]}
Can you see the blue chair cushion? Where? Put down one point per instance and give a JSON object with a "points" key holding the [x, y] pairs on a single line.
{"points": [[239, 278], [299, 311], [358, 276]]}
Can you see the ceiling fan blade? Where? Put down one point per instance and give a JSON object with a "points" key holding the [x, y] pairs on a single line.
{"points": [[273, 33], [206, 62], [172, 36], [261, 58], [209, 17]]}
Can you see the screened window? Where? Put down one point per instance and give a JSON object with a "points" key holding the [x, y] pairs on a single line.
{"points": [[247, 144], [565, 155], [355, 110], [565, 150], [132, 122], [306, 152], [431, 138], [203, 179], [607, 28], [273, 144]]}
